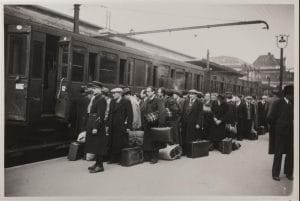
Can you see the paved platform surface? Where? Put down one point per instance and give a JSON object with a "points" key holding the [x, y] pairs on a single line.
{"points": [[245, 172]]}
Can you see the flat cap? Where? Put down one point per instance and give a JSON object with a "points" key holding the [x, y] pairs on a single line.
{"points": [[126, 90], [193, 91], [117, 90]]}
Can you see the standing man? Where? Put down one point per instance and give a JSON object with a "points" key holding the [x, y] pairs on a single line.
{"points": [[282, 116], [95, 129], [153, 105], [262, 110], [119, 122], [136, 122], [192, 118], [249, 117], [219, 110], [161, 94]]}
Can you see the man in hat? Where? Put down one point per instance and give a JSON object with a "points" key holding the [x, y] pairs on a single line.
{"points": [[119, 122], [249, 117], [282, 116], [153, 105], [231, 113], [217, 130], [136, 123], [192, 117], [95, 129], [161, 94], [262, 109]]}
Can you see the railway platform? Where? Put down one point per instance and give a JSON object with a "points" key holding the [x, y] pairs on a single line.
{"points": [[245, 172]]}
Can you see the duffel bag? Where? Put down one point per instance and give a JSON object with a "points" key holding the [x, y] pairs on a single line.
{"points": [[162, 134], [171, 152]]}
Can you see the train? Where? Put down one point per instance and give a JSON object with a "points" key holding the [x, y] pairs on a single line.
{"points": [[45, 67]]}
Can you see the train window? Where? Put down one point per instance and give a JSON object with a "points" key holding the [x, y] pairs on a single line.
{"points": [[172, 73], [77, 66], [179, 82], [140, 72], [148, 75], [197, 82], [154, 76], [92, 66], [130, 72], [108, 67], [17, 54], [122, 71], [65, 57], [188, 77], [37, 61], [163, 74]]}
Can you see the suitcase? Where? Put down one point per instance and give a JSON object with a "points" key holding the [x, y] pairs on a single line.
{"points": [[171, 152], [131, 156], [75, 151], [197, 149], [253, 135], [136, 138], [162, 134], [225, 146]]}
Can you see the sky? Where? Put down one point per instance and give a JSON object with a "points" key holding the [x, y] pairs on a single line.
{"points": [[245, 42]]}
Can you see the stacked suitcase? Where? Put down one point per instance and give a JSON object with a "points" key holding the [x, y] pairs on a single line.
{"points": [[132, 156], [197, 149], [162, 134]]}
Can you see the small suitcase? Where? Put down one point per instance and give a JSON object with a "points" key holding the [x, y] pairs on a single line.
{"points": [[131, 156], [225, 146], [75, 151], [162, 134], [136, 138], [197, 149]]}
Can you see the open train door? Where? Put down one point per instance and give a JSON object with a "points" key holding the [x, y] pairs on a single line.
{"points": [[17, 72], [63, 102]]}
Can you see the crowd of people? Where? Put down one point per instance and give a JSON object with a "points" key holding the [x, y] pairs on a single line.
{"points": [[108, 116]]}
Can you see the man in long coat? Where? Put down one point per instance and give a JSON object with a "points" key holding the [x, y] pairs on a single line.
{"points": [[192, 117], [153, 104], [95, 130], [262, 110], [119, 122], [173, 121], [219, 110], [281, 115]]}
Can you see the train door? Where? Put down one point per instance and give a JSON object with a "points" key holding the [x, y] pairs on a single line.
{"points": [[63, 101], [50, 75], [17, 72]]}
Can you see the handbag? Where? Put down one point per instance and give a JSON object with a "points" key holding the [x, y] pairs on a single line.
{"points": [[152, 117], [171, 152]]}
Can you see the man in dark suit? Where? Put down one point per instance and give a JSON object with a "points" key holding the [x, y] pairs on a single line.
{"points": [[248, 116], [120, 119], [192, 117], [281, 115], [219, 110], [262, 110], [95, 129]]}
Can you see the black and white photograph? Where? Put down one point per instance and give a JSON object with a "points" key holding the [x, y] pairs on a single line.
{"points": [[149, 100]]}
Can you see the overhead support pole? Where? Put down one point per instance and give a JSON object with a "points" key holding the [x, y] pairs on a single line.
{"points": [[192, 27], [76, 18]]}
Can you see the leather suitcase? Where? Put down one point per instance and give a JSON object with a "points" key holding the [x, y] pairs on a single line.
{"points": [[225, 146], [162, 134], [75, 151], [131, 156], [197, 149]]}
